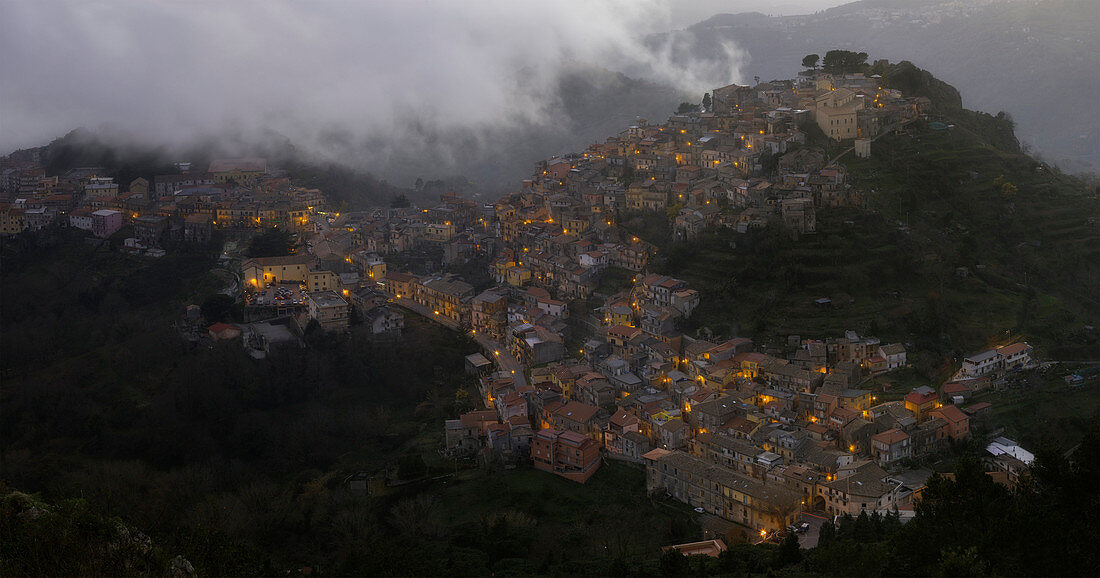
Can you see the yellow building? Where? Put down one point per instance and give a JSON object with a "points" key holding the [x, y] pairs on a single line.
{"points": [[517, 276], [446, 296], [12, 221], [620, 314], [439, 232], [401, 285], [836, 113], [576, 225], [857, 399], [260, 272], [374, 269], [323, 281]]}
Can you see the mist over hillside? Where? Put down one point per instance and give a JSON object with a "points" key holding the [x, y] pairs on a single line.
{"points": [[1034, 59], [403, 90], [585, 104]]}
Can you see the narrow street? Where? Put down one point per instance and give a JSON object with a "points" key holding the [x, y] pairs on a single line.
{"points": [[503, 357]]}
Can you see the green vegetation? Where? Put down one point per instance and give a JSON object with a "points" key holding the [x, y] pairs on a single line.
{"points": [[271, 243], [71, 539], [843, 61], [1042, 410], [614, 280], [528, 521], [219, 457]]}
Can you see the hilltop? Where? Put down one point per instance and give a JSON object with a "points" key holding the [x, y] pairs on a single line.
{"points": [[1003, 55], [963, 241]]}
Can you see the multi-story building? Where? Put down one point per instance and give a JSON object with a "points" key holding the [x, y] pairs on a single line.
{"points": [[920, 401], [890, 446], [446, 296], [81, 219], [323, 281], [100, 187], [867, 488], [105, 222], [488, 314], [565, 453], [329, 310], [197, 229], [12, 220], [401, 285], [149, 229], [721, 491]]}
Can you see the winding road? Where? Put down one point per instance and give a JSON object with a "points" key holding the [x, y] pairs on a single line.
{"points": [[493, 350]]}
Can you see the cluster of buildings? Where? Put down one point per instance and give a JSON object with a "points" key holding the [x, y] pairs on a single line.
{"points": [[1005, 357], [188, 206], [751, 436], [329, 292]]}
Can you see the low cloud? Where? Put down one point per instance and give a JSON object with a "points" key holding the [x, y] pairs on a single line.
{"points": [[354, 81]]}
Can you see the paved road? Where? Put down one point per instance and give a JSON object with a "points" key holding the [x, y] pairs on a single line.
{"points": [[808, 539], [507, 363]]}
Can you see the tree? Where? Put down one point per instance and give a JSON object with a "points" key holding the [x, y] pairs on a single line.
{"points": [[401, 201], [673, 563], [844, 61], [788, 552], [827, 533], [218, 307], [686, 107], [271, 243], [959, 562], [810, 61], [627, 176], [707, 102]]}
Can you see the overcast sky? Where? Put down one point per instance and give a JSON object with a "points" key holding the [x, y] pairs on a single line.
{"points": [[167, 70]]}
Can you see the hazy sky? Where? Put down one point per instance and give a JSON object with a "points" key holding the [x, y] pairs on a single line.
{"points": [[167, 70]]}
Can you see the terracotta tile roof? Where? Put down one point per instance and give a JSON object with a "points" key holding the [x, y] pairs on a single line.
{"points": [[890, 436], [950, 413], [917, 398], [1013, 349], [577, 411]]}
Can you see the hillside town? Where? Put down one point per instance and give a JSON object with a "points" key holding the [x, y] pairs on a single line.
{"points": [[572, 373]]}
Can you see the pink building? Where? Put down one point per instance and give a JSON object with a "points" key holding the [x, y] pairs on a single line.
{"points": [[105, 222]]}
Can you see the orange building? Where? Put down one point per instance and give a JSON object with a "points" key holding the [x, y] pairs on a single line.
{"points": [[958, 423], [565, 453]]}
